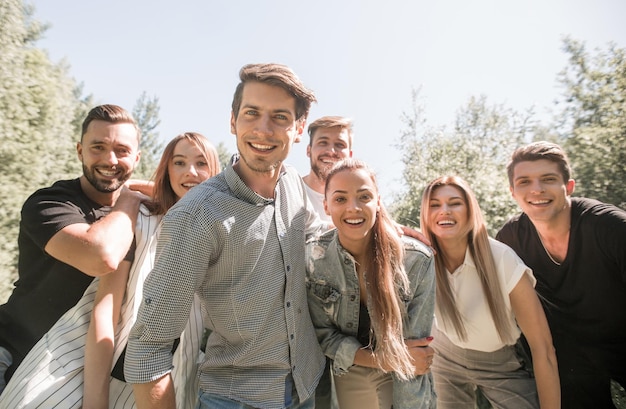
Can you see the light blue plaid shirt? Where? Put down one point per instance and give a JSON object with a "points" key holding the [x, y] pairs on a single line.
{"points": [[244, 256]]}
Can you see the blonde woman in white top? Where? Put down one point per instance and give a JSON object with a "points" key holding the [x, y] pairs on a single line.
{"points": [[485, 300]]}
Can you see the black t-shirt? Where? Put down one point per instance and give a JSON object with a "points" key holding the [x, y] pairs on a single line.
{"points": [[365, 325], [46, 288], [584, 297]]}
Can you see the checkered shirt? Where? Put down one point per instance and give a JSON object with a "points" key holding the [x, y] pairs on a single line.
{"points": [[244, 256]]}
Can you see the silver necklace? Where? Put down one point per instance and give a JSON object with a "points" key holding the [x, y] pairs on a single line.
{"points": [[546, 250]]}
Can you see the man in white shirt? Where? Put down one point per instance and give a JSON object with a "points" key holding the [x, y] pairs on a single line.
{"points": [[330, 140]]}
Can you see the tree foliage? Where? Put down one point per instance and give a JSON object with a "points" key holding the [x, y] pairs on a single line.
{"points": [[40, 107], [146, 113], [591, 126], [594, 129], [476, 148], [224, 154]]}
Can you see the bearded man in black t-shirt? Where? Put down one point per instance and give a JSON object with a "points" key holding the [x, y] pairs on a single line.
{"points": [[71, 232]]}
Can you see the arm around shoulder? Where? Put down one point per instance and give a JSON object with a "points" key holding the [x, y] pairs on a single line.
{"points": [[97, 249]]}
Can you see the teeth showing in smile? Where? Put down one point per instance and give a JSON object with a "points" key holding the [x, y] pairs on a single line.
{"points": [[354, 221], [261, 147], [446, 222], [107, 172], [189, 185], [539, 202]]}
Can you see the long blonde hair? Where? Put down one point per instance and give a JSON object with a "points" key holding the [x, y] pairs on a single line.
{"points": [[386, 283], [480, 250]]}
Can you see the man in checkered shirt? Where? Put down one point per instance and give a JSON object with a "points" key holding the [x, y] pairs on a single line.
{"points": [[237, 241]]}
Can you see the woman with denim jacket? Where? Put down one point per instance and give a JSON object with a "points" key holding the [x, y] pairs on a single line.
{"points": [[484, 292], [371, 296]]}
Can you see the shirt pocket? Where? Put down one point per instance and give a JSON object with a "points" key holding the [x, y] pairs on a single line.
{"points": [[326, 296]]}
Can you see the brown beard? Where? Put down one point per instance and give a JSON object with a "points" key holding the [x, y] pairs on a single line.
{"points": [[90, 175], [319, 171]]}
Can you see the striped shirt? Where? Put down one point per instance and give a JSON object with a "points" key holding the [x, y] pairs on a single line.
{"points": [[243, 255], [51, 375]]}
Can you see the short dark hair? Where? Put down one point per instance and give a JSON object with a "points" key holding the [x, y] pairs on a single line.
{"points": [[277, 75], [537, 151], [109, 113]]}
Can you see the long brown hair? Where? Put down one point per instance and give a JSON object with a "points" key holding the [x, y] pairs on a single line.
{"points": [[164, 196], [386, 282], [480, 250]]}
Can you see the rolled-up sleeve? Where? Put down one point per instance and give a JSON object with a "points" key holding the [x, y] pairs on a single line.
{"points": [[180, 266]]}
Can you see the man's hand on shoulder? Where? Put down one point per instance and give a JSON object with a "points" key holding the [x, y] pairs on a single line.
{"points": [[139, 185], [416, 234]]}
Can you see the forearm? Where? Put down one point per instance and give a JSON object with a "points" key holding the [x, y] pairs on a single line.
{"points": [[99, 348], [421, 355], [158, 394], [367, 358], [98, 358], [547, 379], [110, 245], [112, 236], [532, 321], [97, 249]]}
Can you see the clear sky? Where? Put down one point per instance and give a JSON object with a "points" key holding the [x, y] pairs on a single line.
{"points": [[362, 58]]}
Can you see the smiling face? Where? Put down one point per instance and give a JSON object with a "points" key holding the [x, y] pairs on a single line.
{"points": [[539, 189], [266, 127], [352, 202], [109, 153], [187, 168], [448, 213], [328, 146]]}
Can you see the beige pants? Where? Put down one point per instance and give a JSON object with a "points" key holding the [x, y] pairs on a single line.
{"points": [[364, 388]]}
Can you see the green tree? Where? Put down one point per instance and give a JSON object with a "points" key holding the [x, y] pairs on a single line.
{"points": [[476, 148], [39, 109], [146, 113], [594, 128], [223, 154]]}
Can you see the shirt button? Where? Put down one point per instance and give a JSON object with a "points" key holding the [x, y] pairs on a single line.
{"points": [[349, 325], [148, 301], [288, 304], [352, 297], [291, 336], [288, 268]]}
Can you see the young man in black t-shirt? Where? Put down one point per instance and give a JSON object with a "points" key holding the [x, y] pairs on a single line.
{"points": [[576, 248]]}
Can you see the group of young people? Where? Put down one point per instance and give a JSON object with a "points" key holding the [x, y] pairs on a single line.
{"points": [[290, 276]]}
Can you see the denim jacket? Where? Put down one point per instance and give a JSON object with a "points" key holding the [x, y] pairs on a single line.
{"points": [[334, 297]]}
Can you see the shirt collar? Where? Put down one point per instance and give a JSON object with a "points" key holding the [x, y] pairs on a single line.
{"points": [[469, 261], [242, 191]]}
